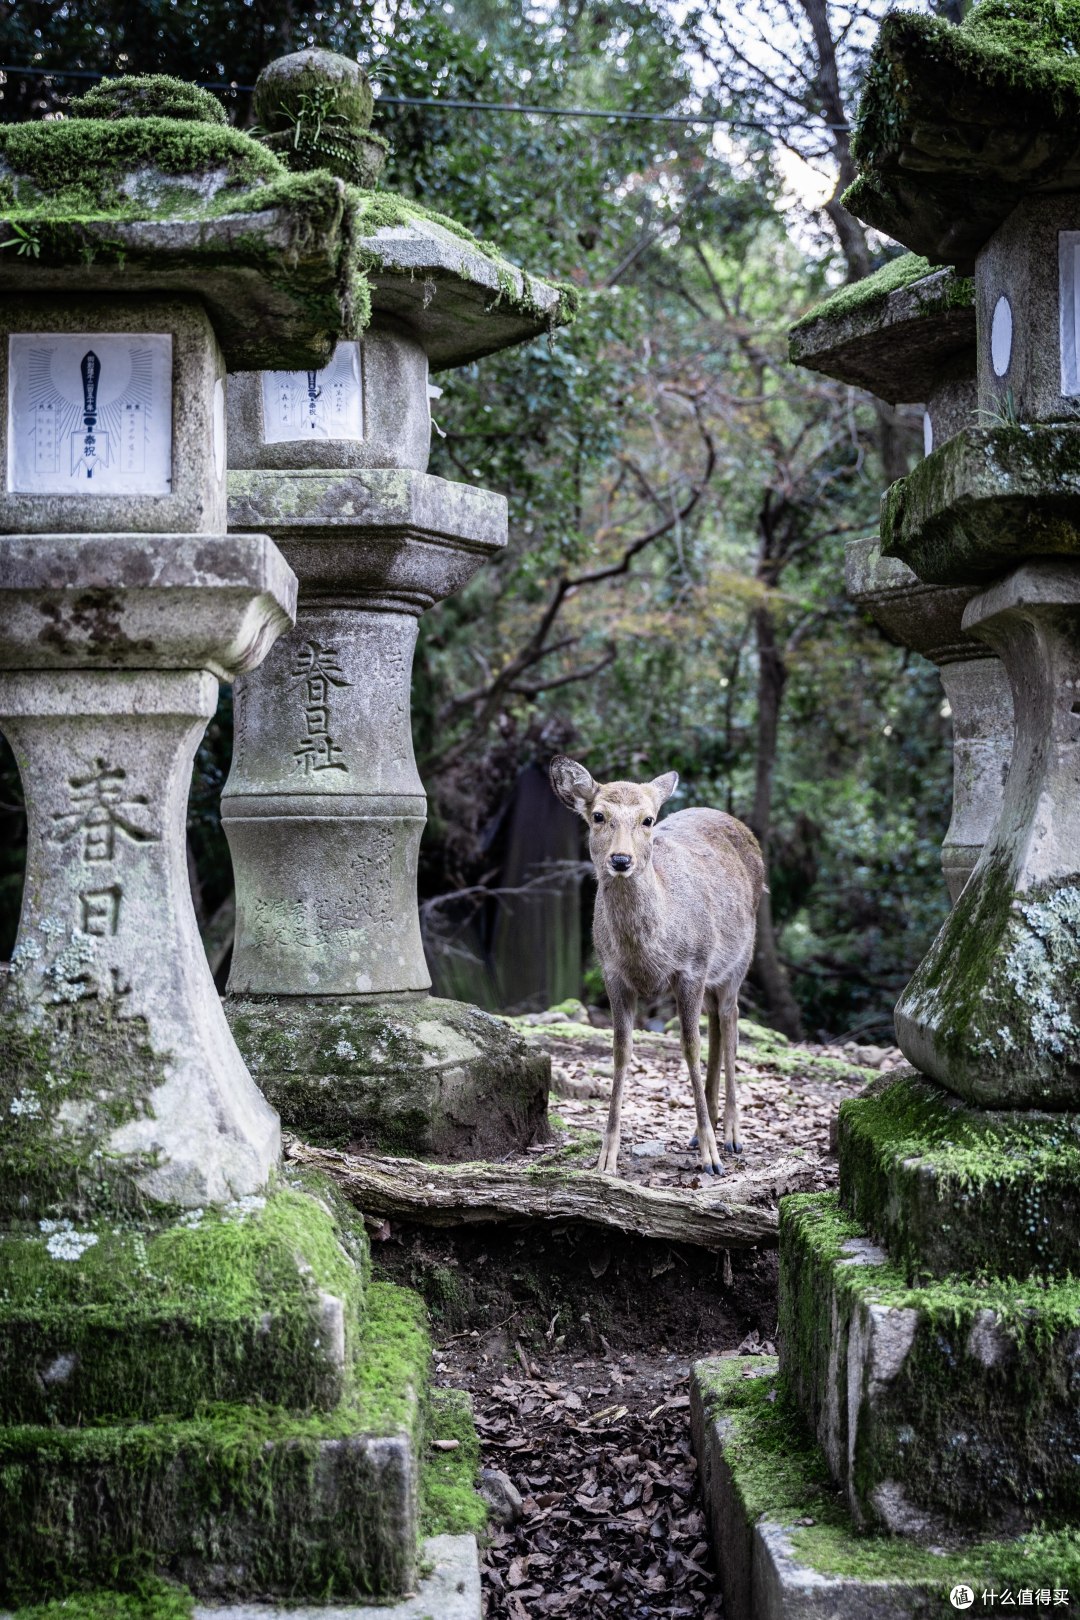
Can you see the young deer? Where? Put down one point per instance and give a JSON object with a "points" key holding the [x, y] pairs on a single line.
{"points": [[676, 912]]}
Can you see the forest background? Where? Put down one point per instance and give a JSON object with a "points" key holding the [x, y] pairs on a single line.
{"points": [[680, 497]]}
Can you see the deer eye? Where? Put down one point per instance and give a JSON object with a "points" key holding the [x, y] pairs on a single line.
{"points": [[648, 821], [597, 817]]}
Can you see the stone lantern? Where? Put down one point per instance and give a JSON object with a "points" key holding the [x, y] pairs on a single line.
{"points": [[908, 333], [928, 1313], [183, 1332], [329, 990]]}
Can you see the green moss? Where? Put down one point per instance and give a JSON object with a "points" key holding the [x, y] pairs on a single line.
{"points": [[71, 1078], [235, 1497], [991, 1359], [449, 1503], [148, 95], [779, 1474], [999, 992], [68, 169], [862, 297], [987, 498], [954, 1189], [105, 1320], [153, 1600]]}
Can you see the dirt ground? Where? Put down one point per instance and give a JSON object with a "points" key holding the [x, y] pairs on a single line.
{"points": [[576, 1345]]}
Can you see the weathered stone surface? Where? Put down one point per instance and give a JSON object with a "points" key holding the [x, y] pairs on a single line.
{"points": [[927, 619], [1026, 314], [984, 501], [395, 416], [314, 108], [460, 301], [785, 1548], [124, 601], [958, 125], [896, 334], [952, 1190], [254, 1301], [120, 1080], [198, 209], [429, 1077], [942, 1408], [993, 1011], [177, 404], [318, 912], [449, 1589], [235, 1500]]}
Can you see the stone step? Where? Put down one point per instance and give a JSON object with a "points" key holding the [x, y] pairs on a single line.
{"points": [[785, 1546], [948, 1188], [257, 1300], [236, 1501], [941, 1408]]}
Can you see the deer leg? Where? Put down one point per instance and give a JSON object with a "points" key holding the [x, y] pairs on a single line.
{"points": [[731, 1098], [712, 1067], [623, 1006], [688, 999]]}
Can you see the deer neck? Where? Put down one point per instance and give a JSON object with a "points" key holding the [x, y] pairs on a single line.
{"points": [[632, 903]]}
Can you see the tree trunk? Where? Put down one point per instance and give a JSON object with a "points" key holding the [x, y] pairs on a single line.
{"points": [[768, 970]]}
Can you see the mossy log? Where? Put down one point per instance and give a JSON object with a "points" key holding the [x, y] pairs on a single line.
{"points": [[720, 1217]]}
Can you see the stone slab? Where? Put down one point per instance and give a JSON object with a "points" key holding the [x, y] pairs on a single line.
{"points": [[957, 125], [259, 1301], [988, 498], [942, 1409], [234, 1500], [390, 537], [785, 1547], [954, 1190], [425, 1076], [896, 342], [449, 1590], [142, 601]]}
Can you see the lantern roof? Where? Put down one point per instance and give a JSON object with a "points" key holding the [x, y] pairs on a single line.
{"points": [[894, 333], [958, 124]]}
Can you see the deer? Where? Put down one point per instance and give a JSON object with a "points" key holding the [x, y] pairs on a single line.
{"points": [[676, 913]]}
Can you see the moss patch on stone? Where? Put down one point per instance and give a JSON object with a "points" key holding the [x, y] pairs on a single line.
{"points": [[998, 993], [235, 1498], [871, 293], [780, 1475], [991, 1359], [957, 123], [950, 1189], [105, 1320], [153, 1600], [449, 1502], [72, 1075], [986, 499], [148, 95], [428, 1078]]}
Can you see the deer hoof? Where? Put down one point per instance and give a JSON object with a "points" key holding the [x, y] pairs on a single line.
{"points": [[693, 1140], [712, 1169], [733, 1147]]}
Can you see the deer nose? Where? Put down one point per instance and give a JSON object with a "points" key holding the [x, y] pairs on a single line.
{"points": [[621, 863]]}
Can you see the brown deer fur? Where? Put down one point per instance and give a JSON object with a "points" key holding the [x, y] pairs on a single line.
{"points": [[675, 914]]}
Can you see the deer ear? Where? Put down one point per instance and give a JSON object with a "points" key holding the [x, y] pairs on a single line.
{"points": [[664, 786], [572, 783]]}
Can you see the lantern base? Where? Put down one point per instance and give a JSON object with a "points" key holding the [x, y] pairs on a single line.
{"points": [[432, 1078]]}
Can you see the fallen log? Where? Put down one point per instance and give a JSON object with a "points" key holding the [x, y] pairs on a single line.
{"points": [[720, 1217]]}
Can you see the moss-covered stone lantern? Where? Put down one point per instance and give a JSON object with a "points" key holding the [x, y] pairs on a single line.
{"points": [[197, 1380], [920, 1440], [907, 333], [328, 992]]}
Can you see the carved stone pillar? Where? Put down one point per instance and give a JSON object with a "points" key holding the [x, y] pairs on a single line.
{"points": [[927, 619]]}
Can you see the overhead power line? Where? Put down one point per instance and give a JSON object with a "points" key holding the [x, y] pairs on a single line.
{"points": [[707, 120]]}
